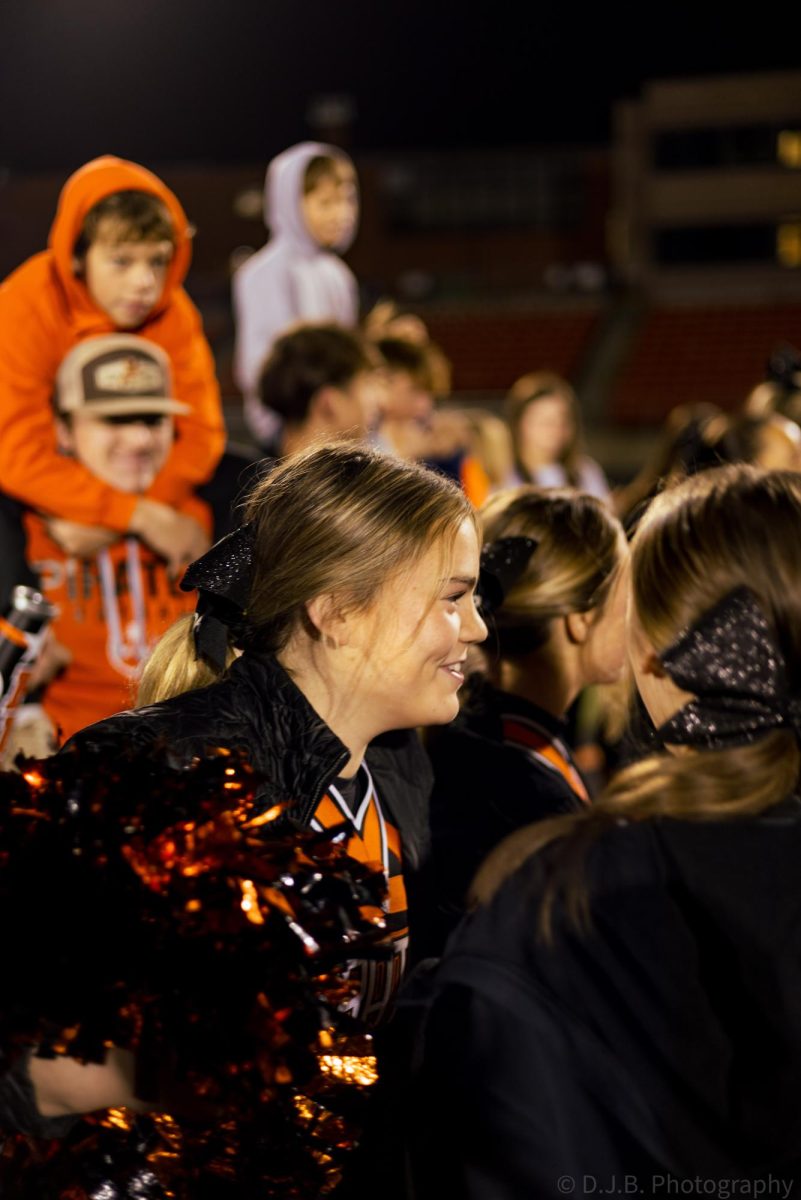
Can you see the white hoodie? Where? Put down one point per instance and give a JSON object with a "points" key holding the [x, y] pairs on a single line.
{"points": [[291, 279]]}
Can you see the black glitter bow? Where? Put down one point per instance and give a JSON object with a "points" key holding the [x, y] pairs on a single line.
{"points": [[222, 577], [731, 662], [502, 564]]}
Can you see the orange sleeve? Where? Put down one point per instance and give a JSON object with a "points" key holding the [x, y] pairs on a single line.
{"points": [[31, 468], [32, 342], [200, 437]]}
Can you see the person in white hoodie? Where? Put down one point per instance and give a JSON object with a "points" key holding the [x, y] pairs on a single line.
{"points": [[311, 208]]}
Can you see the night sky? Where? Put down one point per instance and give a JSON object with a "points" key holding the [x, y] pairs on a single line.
{"points": [[209, 80]]}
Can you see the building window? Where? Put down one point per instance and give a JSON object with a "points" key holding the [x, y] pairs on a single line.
{"points": [[726, 146], [715, 244]]}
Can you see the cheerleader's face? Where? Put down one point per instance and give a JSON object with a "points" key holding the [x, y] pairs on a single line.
{"points": [[407, 653]]}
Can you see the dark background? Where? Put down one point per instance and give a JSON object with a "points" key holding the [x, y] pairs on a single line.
{"points": [[208, 80]]}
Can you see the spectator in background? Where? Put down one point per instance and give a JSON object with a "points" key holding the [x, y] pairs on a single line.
{"points": [[682, 449], [771, 441], [387, 319], [543, 415], [120, 247], [415, 372], [115, 416], [696, 437], [311, 208], [418, 373], [324, 382], [780, 391]]}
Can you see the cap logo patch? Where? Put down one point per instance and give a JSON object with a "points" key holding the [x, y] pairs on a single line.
{"points": [[130, 375]]}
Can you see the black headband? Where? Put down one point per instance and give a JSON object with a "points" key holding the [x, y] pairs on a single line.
{"points": [[222, 577]]}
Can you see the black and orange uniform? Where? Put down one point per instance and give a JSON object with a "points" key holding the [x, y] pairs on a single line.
{"points": [[374, 839], [258, 708], [502, 764]]}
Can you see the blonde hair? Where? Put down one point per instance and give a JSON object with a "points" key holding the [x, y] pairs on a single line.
{"points": [[713, 533], [579, 548], [339, 519], [528, 389], [172, 667], [491, 442]]}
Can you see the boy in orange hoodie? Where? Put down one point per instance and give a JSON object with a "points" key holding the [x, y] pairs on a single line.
{"points": [[118, 252]]}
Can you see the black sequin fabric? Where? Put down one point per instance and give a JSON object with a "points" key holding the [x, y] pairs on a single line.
{"points": [[222, 577], [731, 662], [224, 570]]}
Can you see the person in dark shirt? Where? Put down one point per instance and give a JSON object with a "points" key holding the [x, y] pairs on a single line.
{"points": [[557, 627]]}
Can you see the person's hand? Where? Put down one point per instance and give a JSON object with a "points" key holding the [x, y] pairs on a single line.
{"points": [[81, 540], [177, 538]]}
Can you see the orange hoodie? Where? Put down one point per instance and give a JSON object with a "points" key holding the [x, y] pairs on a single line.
{"points": [[44, 311]]}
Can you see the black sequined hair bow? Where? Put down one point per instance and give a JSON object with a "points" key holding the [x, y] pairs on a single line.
{"points": [[503, 563], [222, 577], [731, 662]]}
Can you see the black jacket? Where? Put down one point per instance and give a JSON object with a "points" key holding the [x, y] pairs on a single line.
{"points": [[257, 707], [484, 790], [662, 1038]]}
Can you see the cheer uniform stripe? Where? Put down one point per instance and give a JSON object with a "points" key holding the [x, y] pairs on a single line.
{"points": [[525, 734], [376, 841]]}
